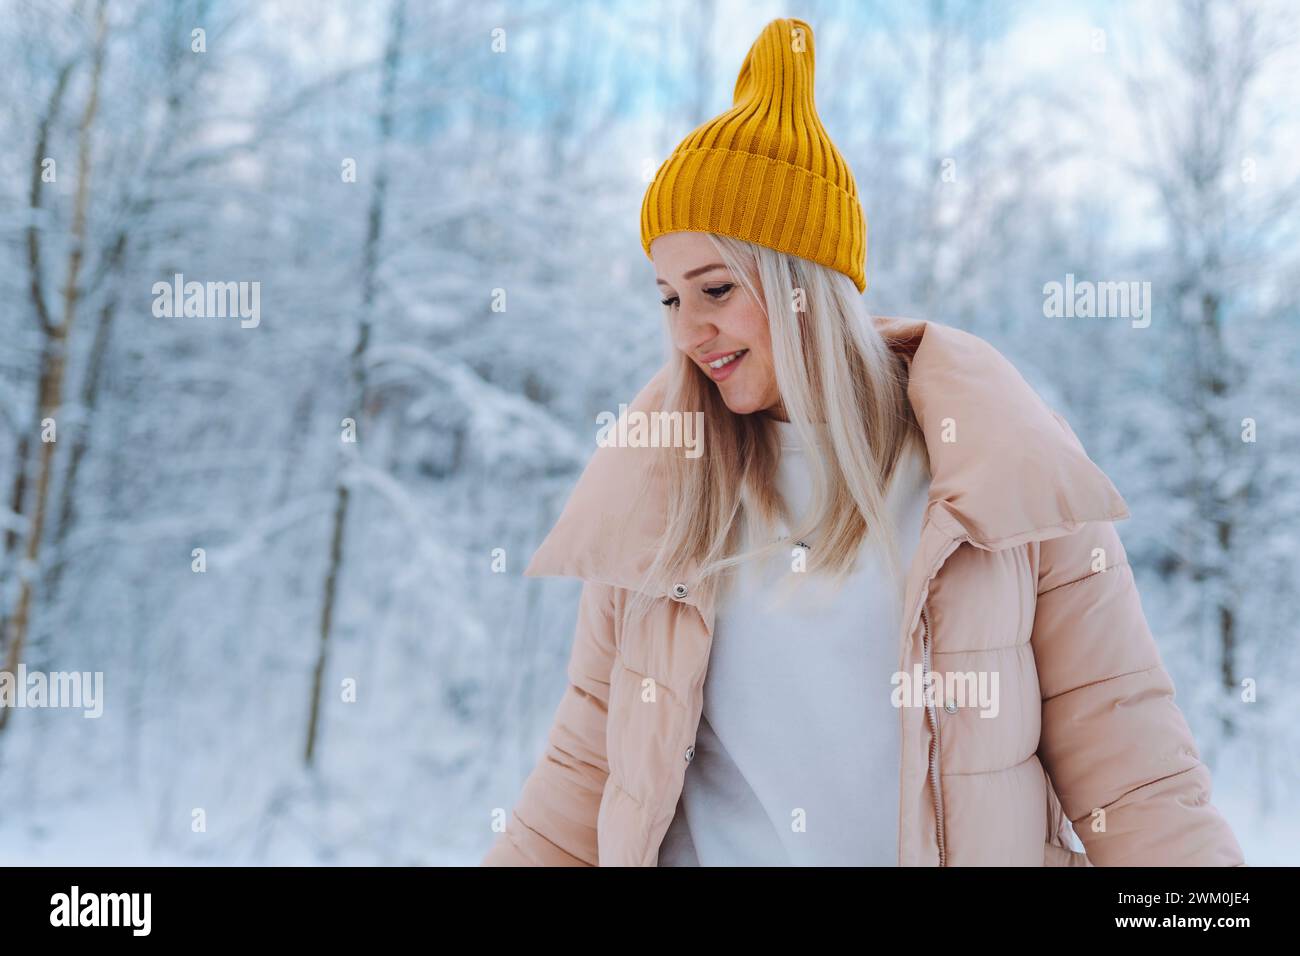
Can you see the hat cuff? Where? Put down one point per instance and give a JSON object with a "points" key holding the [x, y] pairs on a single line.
{"points": [[756, 198]]}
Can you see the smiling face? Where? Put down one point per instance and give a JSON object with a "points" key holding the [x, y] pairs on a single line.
{"points": [[716, 323]]}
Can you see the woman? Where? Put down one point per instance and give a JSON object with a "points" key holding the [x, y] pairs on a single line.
{"points": [[884, 618]]}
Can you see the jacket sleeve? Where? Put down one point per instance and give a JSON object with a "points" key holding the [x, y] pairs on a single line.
{"points": [[1112, 737], [553, 822]]}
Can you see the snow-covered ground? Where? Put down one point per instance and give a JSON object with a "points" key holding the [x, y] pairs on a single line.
{"points": [[118, 831]]}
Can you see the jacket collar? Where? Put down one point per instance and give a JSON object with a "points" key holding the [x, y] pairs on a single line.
{"points": [[1005, 468]]}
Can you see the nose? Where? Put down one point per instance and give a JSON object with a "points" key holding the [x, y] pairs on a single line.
{"points": [[692, 329]]}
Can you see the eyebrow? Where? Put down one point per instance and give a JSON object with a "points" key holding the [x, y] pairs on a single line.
{"points": [[695, 272]]}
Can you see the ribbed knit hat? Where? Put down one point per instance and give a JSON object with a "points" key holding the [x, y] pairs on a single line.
{"points": [[765, 170]]}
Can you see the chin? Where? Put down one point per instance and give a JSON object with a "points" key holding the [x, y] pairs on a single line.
{"points": [[742, 404]]}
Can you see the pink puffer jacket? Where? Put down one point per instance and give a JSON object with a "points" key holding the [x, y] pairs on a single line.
{"points": [[1019, 571]]}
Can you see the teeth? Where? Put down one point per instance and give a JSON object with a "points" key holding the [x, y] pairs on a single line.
{"points": [[726, 359]]}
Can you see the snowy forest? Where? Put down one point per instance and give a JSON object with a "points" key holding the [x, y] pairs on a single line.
{"points": [[289, 534]]}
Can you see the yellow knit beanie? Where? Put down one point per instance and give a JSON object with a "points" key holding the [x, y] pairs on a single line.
{"points": [[765, 170]]}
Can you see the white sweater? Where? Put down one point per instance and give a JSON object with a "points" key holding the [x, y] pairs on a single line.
{"points": [[797, 754]]}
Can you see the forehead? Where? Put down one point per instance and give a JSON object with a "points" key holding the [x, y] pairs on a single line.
{"points": [[676, 253]]}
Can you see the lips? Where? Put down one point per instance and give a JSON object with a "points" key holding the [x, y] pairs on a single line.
{"points": [[723, 364]]}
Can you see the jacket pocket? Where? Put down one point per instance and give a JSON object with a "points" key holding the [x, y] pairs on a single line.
{"points": [[1055, 855], [1058, 849]]}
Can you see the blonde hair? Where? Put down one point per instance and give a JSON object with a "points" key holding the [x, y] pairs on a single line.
{"points": [[839, 380]]}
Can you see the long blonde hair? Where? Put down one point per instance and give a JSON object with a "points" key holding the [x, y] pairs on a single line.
{"points": [[839, 380]]}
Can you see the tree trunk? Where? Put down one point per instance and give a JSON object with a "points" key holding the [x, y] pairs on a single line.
{"points": [[36, 288], [81, 438], [369, 268], [54, 360]]}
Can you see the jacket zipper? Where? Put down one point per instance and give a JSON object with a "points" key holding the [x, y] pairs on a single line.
{"points": [[933, 713], [697, 690]]}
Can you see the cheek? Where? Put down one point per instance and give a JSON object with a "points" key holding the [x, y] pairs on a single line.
{"points": [[745, 324], [756, 333]]}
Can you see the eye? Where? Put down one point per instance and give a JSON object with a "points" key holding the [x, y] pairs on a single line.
{"points": [[719, 291], [669, 301]]}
